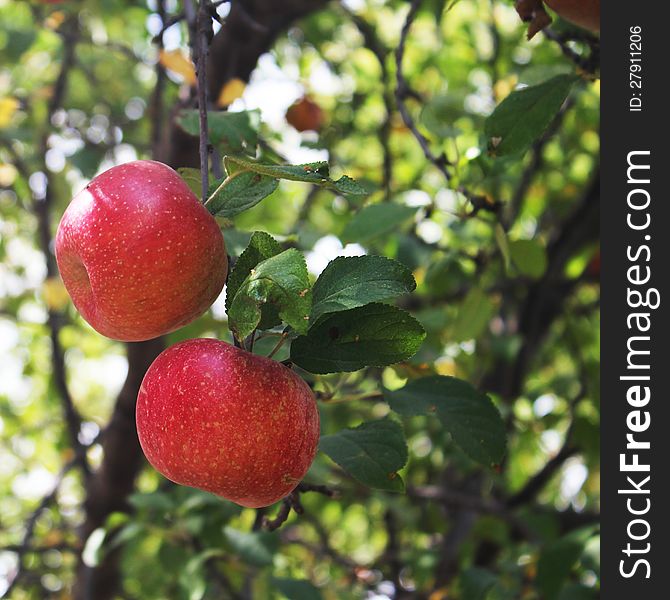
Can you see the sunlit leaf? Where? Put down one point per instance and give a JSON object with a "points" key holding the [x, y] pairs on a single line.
{"points": [[280, 280], [178, 62], [231, 91], [351, 281], [524, 115], [376, 220]]}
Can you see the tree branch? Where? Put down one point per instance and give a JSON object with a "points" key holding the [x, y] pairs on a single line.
{"points": [[24, 548]]}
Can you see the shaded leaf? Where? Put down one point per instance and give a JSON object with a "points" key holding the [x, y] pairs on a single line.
{"points": [[261, 247], [476, 583], [473, 316], [375, 220], [529, 256], [192, 578], [503, 245], [159, 501], [372, 335], [239, 192], [229, 131], [557, 561], [467, 414], [372, 453], [523, 116], [254, 548], [192, 179], [351, 281], [296, 589]]}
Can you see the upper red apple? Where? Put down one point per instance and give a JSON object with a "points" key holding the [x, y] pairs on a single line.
{"points": [[138, 253], [221, 419]]}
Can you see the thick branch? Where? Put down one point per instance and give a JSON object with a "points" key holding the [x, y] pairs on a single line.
{"points": [[108, 489]]}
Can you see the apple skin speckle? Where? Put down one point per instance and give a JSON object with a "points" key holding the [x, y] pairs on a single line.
{"points": [[215, 417], [115, 252]]}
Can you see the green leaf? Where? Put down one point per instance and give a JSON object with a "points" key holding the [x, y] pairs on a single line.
{"points": [[248, 182], [239, 192], [375, 220], [347, 186], [578, 592], [253, 548], [93, 548], [468, 415], [374, 335], [351, 281], [529, 256], [476, 583], [192, 179], [503, 245], [280, 280], [236, 240], [473, 316], [439, 114], [523, 116], [17, 41], [261, 247], [229, 131], [158, 501], [557, 560], [309, 173], [372, 453], [125, 534], [317, 173], [192, 578], [296, 589]]}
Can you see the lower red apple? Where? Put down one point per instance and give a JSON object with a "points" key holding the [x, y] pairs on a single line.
{"points": [[218, 418], [138, 253]]}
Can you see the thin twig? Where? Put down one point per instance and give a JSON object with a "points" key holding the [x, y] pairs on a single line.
{"points": [[24, 547], [589, 64], [200, 27], [318, 488], [374, 44], [403, 90], [279, 344], [516, 203], [283, 514]]}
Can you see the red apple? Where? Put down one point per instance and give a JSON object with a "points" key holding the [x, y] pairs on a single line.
{"points": [[305, 115], [221, 419], [139, 255], [585, 13]]}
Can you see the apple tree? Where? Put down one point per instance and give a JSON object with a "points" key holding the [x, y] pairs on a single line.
{"points": [[396, 394]]}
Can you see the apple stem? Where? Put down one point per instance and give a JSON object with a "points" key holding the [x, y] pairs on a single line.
{"points": [[280, 343], [250, 341]]}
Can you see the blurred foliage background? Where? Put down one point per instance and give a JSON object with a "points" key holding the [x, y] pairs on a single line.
{"points": [[505, 253]]}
